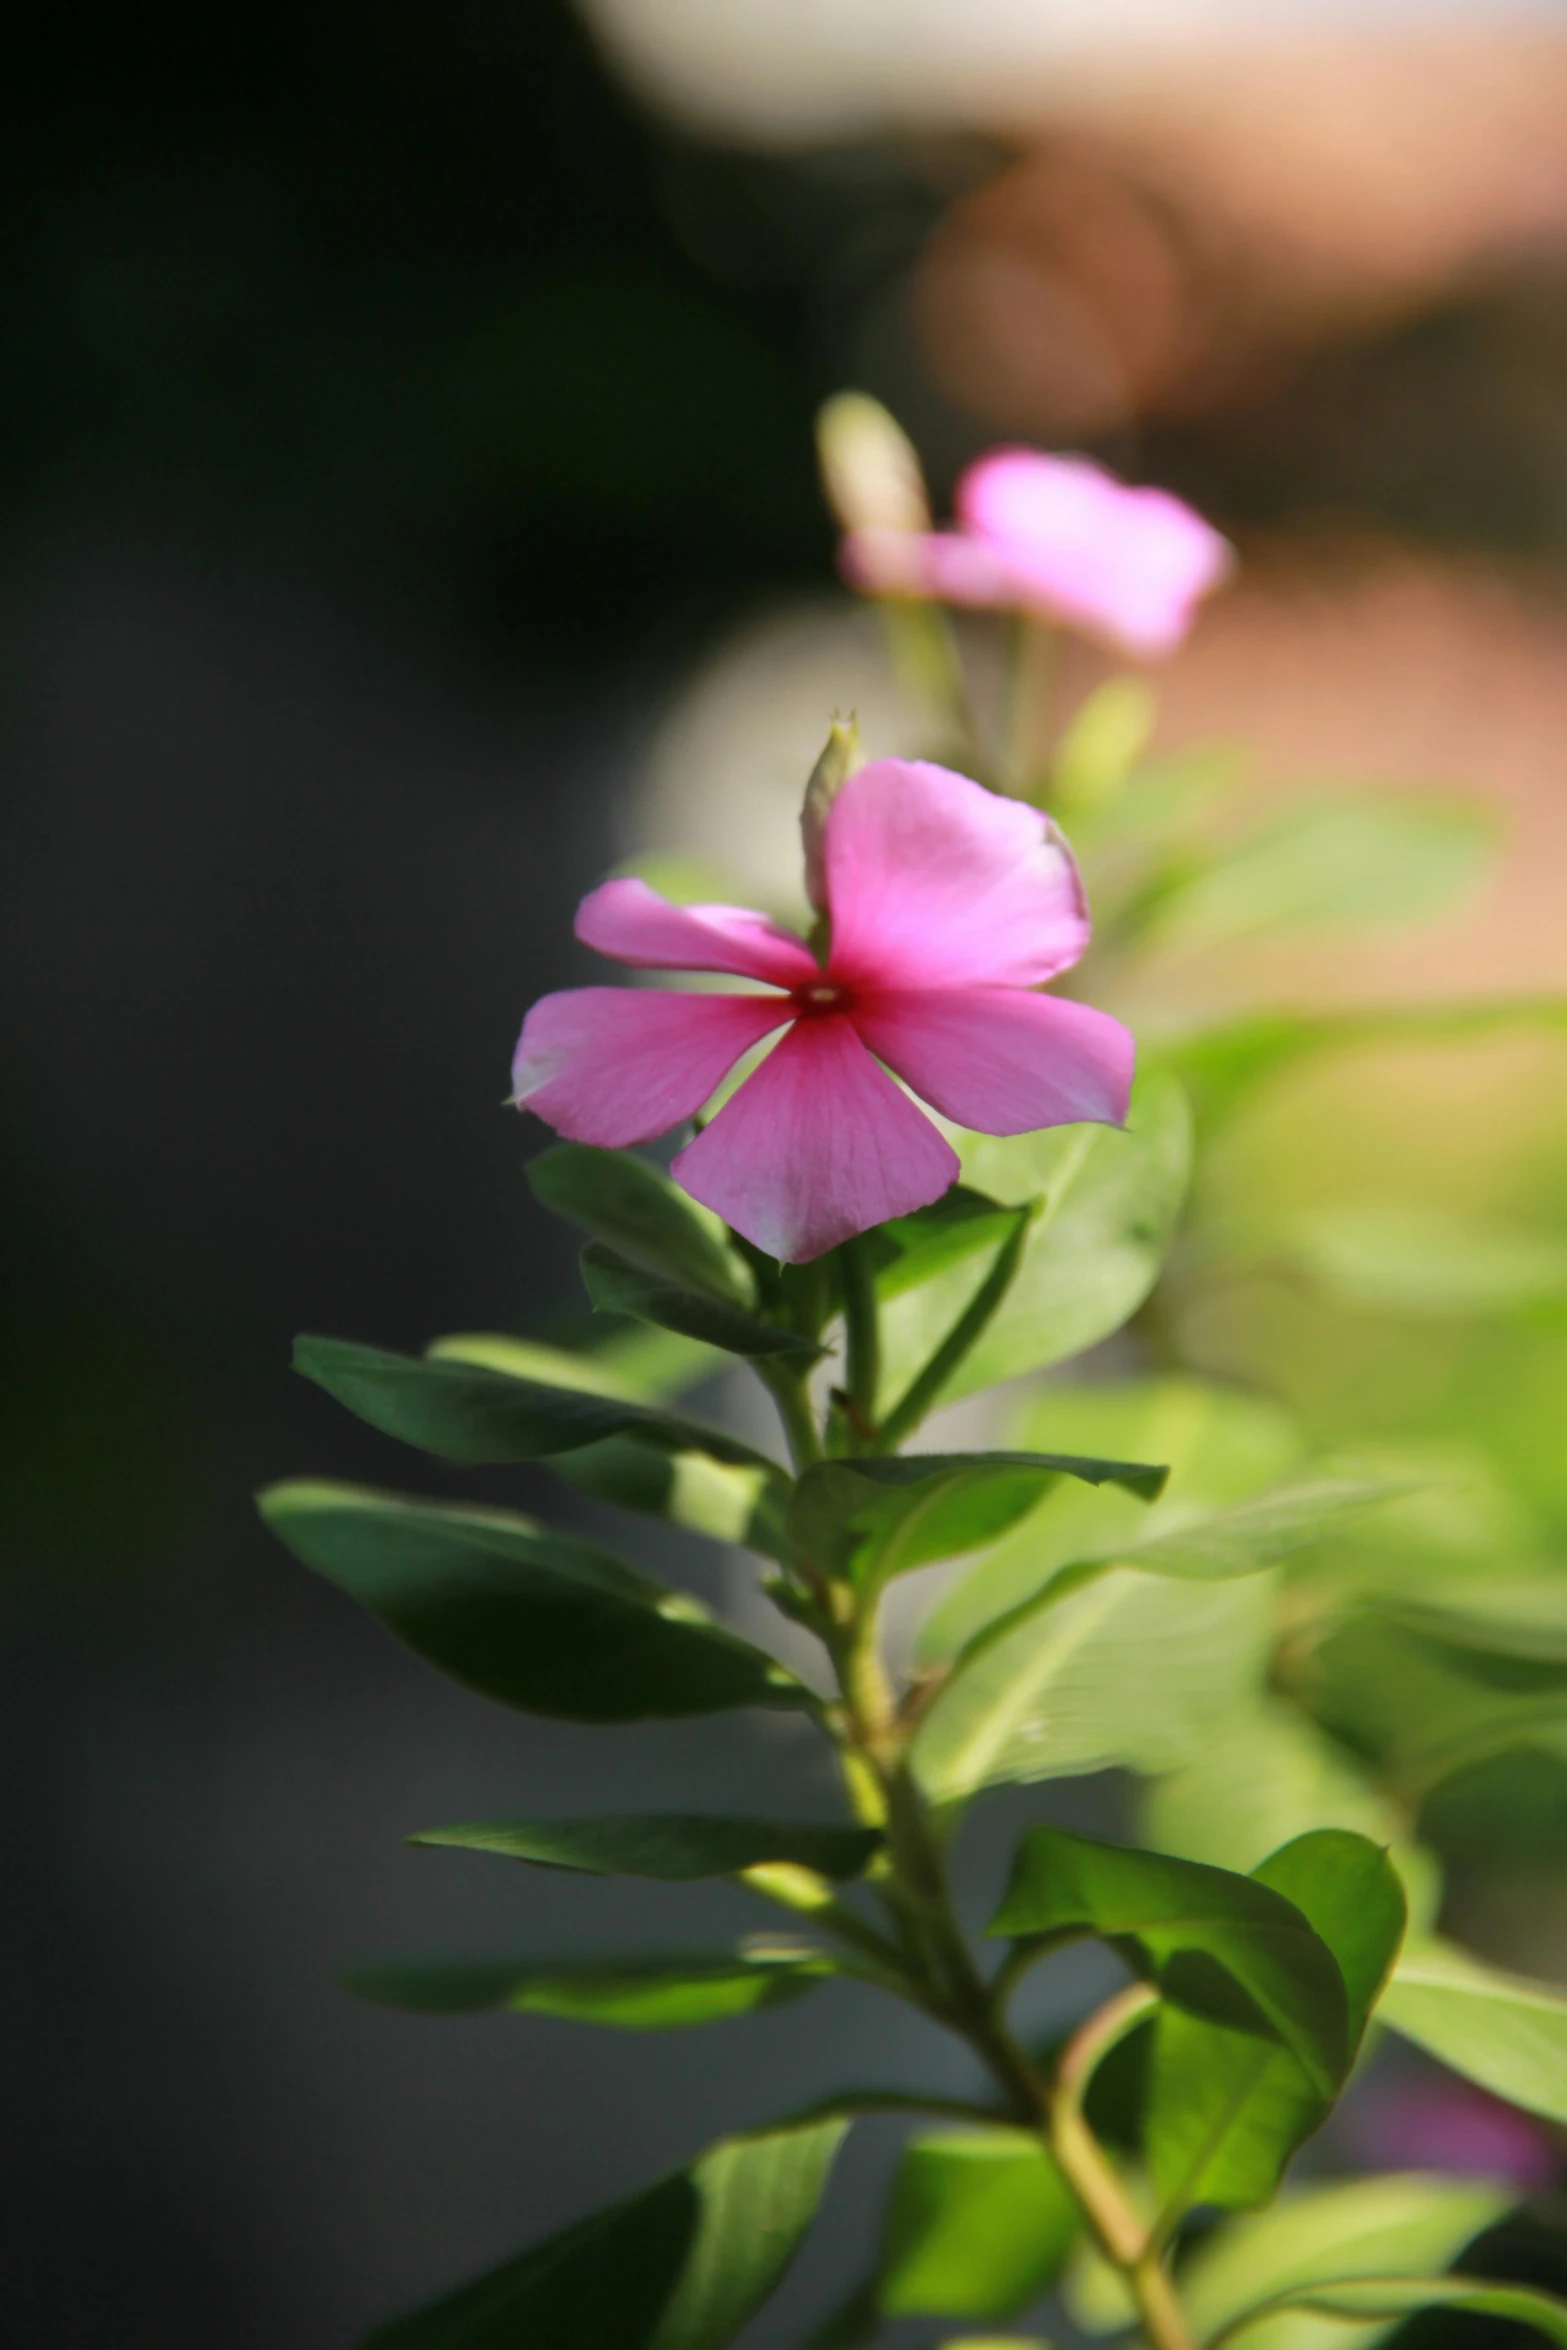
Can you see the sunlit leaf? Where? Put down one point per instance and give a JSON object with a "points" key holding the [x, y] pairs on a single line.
{"points": [[1111, 1199], [1502, 2030], [1225, 1066], [534, 1618], [635, 1365], [1222, 1445], [1395, 2225], [656, 1994], [1332, 860], [727, 1501], [681, 2266], [978, 2225], [1266, 1776], [1379, 2299], [1414, 1259], [675, 1848], [1108, 1668]]}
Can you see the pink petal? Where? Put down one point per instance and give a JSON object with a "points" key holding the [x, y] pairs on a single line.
{"points": [[615, 1065], [816, 1145], [1001, 1060], [935, 882], [633, 924], [941, 565], [1130, 564]]}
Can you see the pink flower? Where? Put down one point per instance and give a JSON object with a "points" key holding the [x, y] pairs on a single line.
{"points": [[1061, 537], [1449, 2125], [949, 908]]}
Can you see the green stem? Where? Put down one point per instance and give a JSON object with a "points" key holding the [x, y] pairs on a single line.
{"points": [[924, 1390], [794, 1409], [861, 1330], [1032, 664], [1124, 2237], [927, 663]]}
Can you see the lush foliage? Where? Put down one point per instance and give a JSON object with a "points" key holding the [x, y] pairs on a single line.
{"points": [[1163, 1577]]}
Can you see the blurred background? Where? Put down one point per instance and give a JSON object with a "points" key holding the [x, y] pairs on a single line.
{"points": [[407, 509]]}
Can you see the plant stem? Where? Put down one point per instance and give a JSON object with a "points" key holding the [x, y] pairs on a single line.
{"points": [[862, 1331], [794, 1409], [924, 1390], [955, 1993], [1123, 2236]]}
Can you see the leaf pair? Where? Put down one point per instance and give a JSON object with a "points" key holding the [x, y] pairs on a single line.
{"points": [[658, 1993], [1266, 1983]]}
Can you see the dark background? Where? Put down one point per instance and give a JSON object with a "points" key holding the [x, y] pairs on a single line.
{"points": [[373, 454], [390, 415]]}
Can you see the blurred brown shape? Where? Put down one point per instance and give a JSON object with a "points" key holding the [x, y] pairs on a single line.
{"points": [[1168, 247]]}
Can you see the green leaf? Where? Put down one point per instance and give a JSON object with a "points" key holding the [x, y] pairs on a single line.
{"points": [[1225, 2110], [1419, 1260], [634, 1365], [674, 1848], [1222, 1446], [1428, 1707], [1327, 2235], [634, 1994], [979, 2225], [915, 1248], [1269, 1528], [1502, 2030], [871, 1519], [1224, 1066], [726, 1501], [1109, 1668], [1266, 1776], [617, 1286], [1388, 2298], [1229, 1948], [1374, 857], [467, 1413], [681, 2266], [640, 1214], [1111, 1201], [534, 1618]]}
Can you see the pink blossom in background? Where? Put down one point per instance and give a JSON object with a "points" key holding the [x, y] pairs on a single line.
{"points": [[1060, 537], [1452, 2126], [949, 908]]}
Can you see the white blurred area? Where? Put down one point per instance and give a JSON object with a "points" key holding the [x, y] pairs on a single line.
{"points": [[1192, 226], [787, 72]]}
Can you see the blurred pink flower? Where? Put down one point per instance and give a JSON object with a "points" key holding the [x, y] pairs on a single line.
{"points": [[949, 908], [1060, 537], [1451, 2126]]}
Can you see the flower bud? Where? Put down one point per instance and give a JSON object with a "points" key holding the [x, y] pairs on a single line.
{"points": [[841, 754], [870, 467]]}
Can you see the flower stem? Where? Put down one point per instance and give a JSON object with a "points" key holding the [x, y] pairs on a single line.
{"points": [[862, 1331], [924, 1390], [788, 1392]]}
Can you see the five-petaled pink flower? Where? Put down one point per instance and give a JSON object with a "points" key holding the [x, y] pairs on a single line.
{"points": [[948, 909], [1060, 537]]}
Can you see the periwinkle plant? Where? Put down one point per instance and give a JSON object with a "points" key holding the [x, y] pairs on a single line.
{"points": [[866, 1264]]}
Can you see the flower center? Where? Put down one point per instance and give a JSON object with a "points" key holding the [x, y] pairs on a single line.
{"points": [[823, 995]]}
